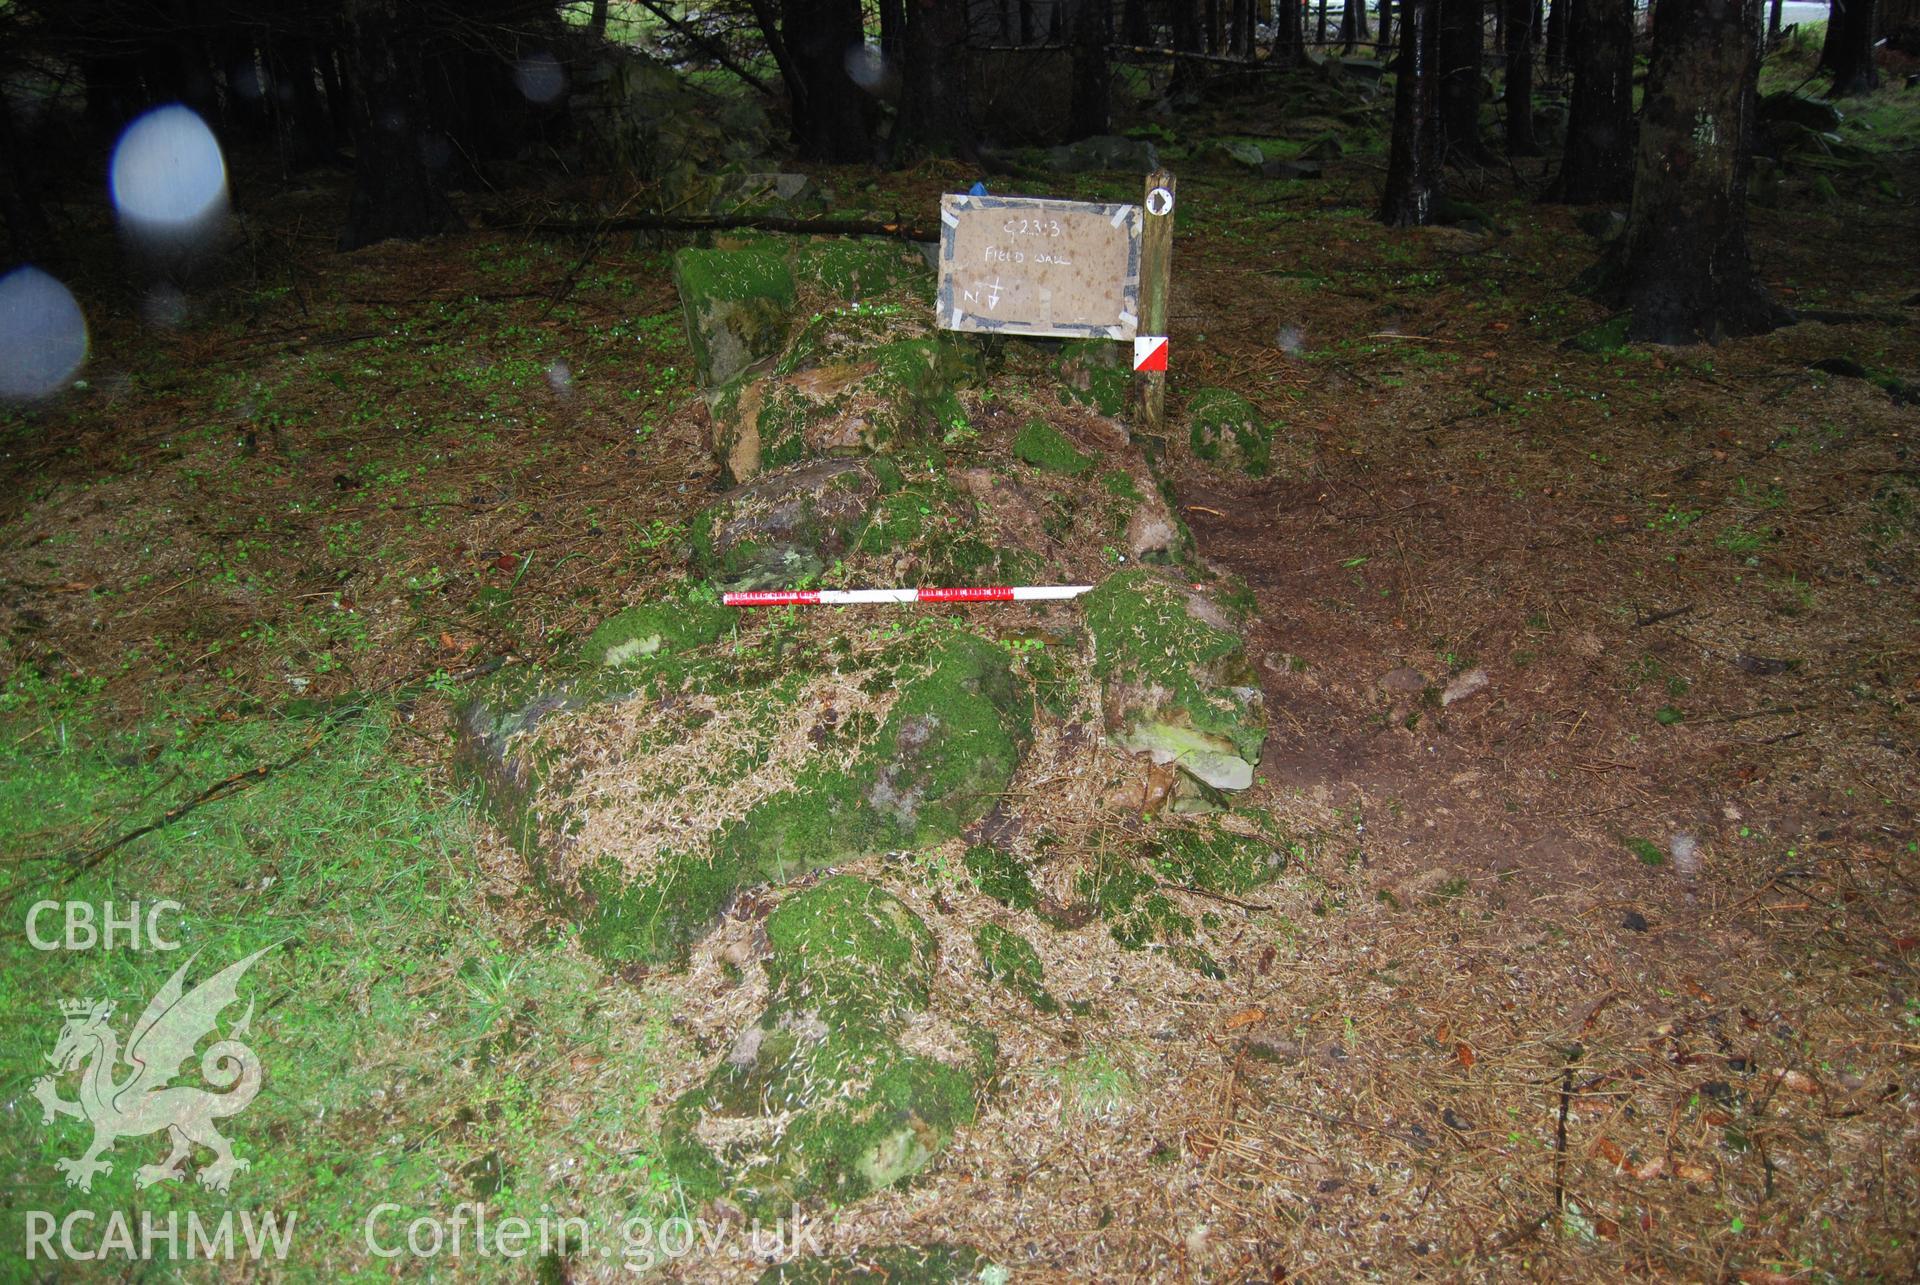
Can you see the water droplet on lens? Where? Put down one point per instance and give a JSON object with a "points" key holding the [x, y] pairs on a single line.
{"points": [[43, 336], [540, 77]]}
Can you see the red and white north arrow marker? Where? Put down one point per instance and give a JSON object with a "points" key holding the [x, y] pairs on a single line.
{"points": [[1150, 352]]}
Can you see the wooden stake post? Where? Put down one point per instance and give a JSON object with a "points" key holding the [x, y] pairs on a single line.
{"points": [[1156, 261]]}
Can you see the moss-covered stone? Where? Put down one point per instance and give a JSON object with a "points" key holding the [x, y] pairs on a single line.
{"points": [[931, 535], [872, 399], [1175, 683], [786, 525], [1011, 960], [1044, 446], [817, 1099], [948, 748], [1225, 428], [737, 305], [862, 268], [890, 1265]]}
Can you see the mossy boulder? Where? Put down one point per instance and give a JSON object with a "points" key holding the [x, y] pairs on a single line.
{"points": [[947, 750], [1175, 679], [737, 305], [786, 525], [498, 745], [1046, 447], [1225, 428], [859, 269], [927, 532], [891, 1265], [823, 399], [818, 1100]]}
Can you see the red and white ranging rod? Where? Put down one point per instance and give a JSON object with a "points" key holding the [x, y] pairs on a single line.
{"points": [[858, 597]]}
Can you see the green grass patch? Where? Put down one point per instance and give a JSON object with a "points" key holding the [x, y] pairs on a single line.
{"points": [[411, 1054]]}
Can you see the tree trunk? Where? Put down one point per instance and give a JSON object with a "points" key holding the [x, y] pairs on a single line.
{"points": [[1384, 45], [1519, 89], [1320, 25], [597, 23], [1134, 25], [1599, 161], [1853, 68], [1092, 103], [1462, 26], [1349, 30], [933, 91], [1413, 157], [1688, 271], [395, 191], [1557, 14], [1773, 22], [1289, 33], [1830, 46], [830, 112]]}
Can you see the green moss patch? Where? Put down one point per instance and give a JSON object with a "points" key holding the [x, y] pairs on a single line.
{"points": [[1011, 960], [1225, 428], [1094, 373], [1043, 446], [1001, 875], [1217, 860], [633, 636]]}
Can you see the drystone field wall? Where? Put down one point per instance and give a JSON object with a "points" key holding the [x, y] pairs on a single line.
{"points": [[691, 766]]}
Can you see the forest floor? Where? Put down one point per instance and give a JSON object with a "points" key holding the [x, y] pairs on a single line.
{"points": [[1606, 967]]}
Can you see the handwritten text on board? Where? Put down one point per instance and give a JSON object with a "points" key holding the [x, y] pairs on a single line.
{"points": [[1010, 265]]}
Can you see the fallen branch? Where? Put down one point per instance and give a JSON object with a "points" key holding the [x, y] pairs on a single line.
{"points": [[723, 222], [232, 785], [708, 46]]}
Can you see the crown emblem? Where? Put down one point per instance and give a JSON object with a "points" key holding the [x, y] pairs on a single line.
{"points": [[84, 1008]]}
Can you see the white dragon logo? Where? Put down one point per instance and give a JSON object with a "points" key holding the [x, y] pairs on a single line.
{"points": [[142, 1102]]}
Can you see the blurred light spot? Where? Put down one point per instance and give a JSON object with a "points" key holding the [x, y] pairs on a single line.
{"points": [[435, 151], [867, 67], [167, 173], [540, 77], [43, 336], [560, 375], [1289, 340]]}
